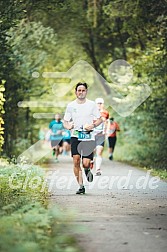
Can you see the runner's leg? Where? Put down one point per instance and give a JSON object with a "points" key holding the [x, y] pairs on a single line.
{"points": [[98, 161], [77, 169]]}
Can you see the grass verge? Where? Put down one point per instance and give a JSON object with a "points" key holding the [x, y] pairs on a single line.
{"points": [[27, 223], [135, 155]]}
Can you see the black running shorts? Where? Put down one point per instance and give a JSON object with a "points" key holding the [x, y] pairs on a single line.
{"points": [[112, 142], [54, 143], [83, 148]]}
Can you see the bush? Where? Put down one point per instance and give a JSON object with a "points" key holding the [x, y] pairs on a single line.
{"points": [[27, 224], [19, 187], [34, 228]]}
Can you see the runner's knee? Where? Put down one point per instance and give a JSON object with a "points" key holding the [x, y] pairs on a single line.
{"points": [[76, 161], [86, 163]]}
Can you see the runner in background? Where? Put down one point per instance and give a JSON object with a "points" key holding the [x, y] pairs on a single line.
{"points": [[66, 142], [56, 136], [112, 129], [100, 133]]}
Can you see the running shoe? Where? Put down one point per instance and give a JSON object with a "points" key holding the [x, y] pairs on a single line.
{"points": [[56, 160], [98, 173], [111, 157], [88, 174], [81, 190]]}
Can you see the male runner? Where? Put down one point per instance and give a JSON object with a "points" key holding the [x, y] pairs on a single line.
{"points": [[78, 118]]}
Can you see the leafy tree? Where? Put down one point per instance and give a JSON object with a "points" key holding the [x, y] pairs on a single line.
{"points": [[2, 89], [99, 32], [10, 11], [32, 45]]}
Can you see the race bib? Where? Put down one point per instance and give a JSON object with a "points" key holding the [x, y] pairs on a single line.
{"points": [[85, 136]]}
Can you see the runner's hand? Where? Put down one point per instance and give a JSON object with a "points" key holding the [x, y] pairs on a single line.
{"points": [[70, 125], [88, 127]]}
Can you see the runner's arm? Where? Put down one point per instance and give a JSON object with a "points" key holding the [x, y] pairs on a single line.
{"points": [[68, 125], [98, 122], [117, 127], [94, 125]]}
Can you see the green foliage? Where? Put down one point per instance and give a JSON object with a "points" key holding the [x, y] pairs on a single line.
{"points": [[143, 35], [2, 100], [10, 12], [161, 173], [21, 186], [35, 228], [31, 48], [53, 36], [147, 124], [27, 224]]}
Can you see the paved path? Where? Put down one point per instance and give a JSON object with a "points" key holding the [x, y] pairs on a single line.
{"points": [[125, 209]]}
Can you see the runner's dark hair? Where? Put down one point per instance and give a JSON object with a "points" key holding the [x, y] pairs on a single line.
{"points": [[81, 84]]}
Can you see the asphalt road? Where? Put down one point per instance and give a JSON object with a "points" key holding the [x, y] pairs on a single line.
{"points": [[125, 209]]}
